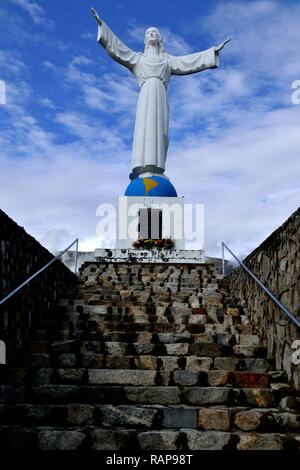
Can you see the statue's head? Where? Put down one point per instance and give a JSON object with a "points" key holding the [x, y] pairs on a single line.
{"points": [[153, 36]]}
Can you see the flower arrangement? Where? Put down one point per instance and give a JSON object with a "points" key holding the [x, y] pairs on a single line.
{"points": [[149, 244]]}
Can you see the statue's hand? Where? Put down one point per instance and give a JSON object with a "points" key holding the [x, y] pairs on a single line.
{"points": [[98, 19], [220, 46]]}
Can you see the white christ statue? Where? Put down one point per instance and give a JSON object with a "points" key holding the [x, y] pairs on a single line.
{"points": [[153, 69]]}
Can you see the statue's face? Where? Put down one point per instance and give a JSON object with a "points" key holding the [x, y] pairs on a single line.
{"points": [[152, 36]]}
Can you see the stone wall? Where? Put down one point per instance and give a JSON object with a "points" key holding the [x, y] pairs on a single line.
{"points": [[276, 262], [20, 257]]}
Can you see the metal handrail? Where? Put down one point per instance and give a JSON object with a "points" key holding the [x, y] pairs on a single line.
{"points": [[43, 269], [270, 294]]}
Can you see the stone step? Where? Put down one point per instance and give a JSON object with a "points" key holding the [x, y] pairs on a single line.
{"points": [[215, 368], [201, 350], [80, 438], [162, 326], [229, 335], [40, 362], [214, 418], [163, 395], [170, 373]]}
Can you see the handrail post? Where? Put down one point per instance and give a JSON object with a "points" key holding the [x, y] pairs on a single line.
{"points": [[76, 257], [223, 259]]}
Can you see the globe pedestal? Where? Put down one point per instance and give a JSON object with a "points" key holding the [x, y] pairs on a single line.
{"points": [[151, 185]]}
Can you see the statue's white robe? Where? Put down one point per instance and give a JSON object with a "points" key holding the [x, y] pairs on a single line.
{"points": [[150, 142]]}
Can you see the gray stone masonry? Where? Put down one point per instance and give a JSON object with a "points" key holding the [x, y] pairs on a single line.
{"points": [[147, 356]]}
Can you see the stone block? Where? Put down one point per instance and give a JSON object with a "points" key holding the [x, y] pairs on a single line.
{"points": [[67, 360], [251, 341], [144, 337], [205, 395], [145, 362], [197, 319], [261, 442], [153, 395], [205, 349], [233, 312], [80, 415], [254, 364], [203, 338], [226, 363], [91, 347], [54, 393], [49, 439], [287, 421], [207, 440], [251, 379], [169, 362], [243, 351], [121, 377], [174, 337], [92, 360], [112, 439], [177, 349], [115, 348], [249, 420], [259, 397], [142, 349], [158, 440], [178, 417], [290, 403], [214, 419], [117, 362], [127, 415], [218, 377], [199, 363], [186, 377], [70, 376]]}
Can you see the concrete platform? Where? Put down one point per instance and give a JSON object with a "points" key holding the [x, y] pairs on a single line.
{"points": [[114, 255]]}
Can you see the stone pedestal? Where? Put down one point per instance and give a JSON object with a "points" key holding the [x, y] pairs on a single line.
{"points": [[132, 221]]}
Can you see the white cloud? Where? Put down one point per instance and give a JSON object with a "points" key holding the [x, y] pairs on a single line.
{"points": [[88, 35], [47, 103], [35, 11], [81, 60], [11, 63]]}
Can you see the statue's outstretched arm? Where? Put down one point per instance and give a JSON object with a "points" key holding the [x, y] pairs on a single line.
{"points": [[193, 63], [114, 46]]}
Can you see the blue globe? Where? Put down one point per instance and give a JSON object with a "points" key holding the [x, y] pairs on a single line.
{"points": [[155, 186]]}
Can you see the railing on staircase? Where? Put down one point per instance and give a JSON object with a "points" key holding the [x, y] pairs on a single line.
{"points": [[258, 281], [25, 283]]}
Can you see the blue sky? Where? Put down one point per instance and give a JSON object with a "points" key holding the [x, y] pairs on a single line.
{"points": [[66, 130]]}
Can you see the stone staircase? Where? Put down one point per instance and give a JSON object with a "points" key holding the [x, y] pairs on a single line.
{"points": [[154, 357]]}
